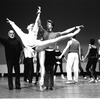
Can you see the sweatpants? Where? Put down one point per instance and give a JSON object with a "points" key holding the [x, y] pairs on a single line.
{"points": [[72, 65]]}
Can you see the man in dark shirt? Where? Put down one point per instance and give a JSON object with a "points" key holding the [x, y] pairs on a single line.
{"points": [[13, 49]]}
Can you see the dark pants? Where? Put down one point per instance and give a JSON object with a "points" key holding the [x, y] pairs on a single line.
{"points": [[49, 66], [91, 64], [10, 65], [28, 69], [56, 65]]}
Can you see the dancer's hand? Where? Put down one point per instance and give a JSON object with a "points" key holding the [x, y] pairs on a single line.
{"points": [[79, 26], [9, 21], [39, 10], [83, 59]]}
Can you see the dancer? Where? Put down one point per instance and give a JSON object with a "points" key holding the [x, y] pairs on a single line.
{"points": [[50, 54], [59, 63], [92, 55], [73, 59], [40, 59], [13, 48], [28, 65], [46, 35]]}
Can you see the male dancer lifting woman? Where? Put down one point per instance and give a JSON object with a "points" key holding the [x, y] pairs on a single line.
{"points": [[30, 40]]}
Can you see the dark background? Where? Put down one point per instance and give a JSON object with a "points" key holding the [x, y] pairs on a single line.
{"points": [[64, 13]]}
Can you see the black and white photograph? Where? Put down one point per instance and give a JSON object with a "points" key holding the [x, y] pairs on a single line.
{"points": [[49, 49]]}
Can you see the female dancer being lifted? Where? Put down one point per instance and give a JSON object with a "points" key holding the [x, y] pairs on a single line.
{"points": [[30, 40]]}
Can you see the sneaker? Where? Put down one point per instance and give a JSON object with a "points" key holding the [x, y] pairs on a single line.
{"points": [[85, 77], [92, 80], [97, 78], [95, 81], [62, 76], [27, 80]]}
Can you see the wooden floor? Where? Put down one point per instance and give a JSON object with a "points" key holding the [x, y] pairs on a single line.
{"points": [[83, 89]]}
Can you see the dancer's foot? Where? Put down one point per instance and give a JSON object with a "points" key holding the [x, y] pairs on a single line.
{"points": [[42, 88], [92, 80], [62, 76]]}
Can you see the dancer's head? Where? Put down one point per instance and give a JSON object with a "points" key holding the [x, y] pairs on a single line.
{"points": [[30, 27], [50, 25], [98, 41], [11, 34], [92, 41]]}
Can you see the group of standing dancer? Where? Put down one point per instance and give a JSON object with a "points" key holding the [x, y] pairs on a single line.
{"points": [[45, 47]]}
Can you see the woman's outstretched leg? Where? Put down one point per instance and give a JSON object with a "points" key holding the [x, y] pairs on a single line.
{"points": [[43, 44]]}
